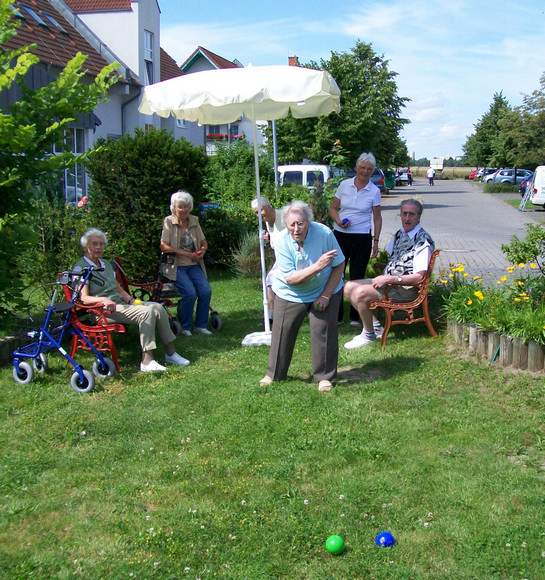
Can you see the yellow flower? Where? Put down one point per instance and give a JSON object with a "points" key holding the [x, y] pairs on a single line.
{"points": [[479, 294], [451, 275], [442, 273], [510, 269], [533, 266], [521, 265], [476, 277], [503, 278], [469, 302], [517, 299], [527, 298], [444, 281], [465, 274]]}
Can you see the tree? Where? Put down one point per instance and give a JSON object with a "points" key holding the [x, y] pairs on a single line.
{"points": [[524, 130], [487, 146], [36, 122], [369, 120], [132, 181], [28, 130]]}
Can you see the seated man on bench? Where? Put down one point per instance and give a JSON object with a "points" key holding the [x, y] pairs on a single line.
{"points": [[410, 250]]}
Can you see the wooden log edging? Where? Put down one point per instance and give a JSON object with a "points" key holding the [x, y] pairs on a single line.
{"points": [[501, 349]]}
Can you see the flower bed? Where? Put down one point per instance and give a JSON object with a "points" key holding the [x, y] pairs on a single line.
{"points": [[501, 320], [512, 304]]}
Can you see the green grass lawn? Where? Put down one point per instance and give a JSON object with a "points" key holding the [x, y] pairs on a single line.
{"points": [[200, 473]]}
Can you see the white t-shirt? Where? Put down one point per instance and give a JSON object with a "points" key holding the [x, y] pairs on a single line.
{"points": [[277, 227], [357, 206]]}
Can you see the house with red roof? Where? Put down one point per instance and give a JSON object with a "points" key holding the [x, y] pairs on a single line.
{"points": [[127, 32], [202, 59]]}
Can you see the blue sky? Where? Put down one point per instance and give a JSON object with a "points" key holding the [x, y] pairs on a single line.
{"points": [[451, 56]]}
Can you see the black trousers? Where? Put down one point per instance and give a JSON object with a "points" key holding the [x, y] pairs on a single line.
{"points": [[357, 251]]}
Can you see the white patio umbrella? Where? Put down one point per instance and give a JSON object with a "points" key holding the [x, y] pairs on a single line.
{"points": [[263, 93]]}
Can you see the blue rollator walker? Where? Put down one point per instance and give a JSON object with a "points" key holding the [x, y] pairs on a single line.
{"points": [[50, 336]]}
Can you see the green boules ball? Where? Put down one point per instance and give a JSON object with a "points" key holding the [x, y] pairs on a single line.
{"points": [[335, 544]]}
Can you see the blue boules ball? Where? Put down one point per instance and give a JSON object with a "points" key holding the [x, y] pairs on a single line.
{"points": [[385, 539]]}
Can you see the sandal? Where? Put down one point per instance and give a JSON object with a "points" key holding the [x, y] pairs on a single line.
{"points": [[265, 381]]}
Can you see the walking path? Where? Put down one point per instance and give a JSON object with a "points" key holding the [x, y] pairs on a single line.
{"points": [[468, 226]]}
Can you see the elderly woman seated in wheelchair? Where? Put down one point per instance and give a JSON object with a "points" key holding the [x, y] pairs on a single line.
{"points": [[103, 289], [184, 245]]}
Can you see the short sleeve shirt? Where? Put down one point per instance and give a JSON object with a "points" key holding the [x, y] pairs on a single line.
{"points": [[320, 239], [357, 205]]}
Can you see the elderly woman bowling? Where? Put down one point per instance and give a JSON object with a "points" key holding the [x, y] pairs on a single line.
{"points": [[309, 280]]}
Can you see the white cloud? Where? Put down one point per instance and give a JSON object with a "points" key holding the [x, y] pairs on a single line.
{"points": [[451, 57]]}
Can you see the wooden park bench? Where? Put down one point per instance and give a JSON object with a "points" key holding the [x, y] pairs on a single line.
{"points": [[410, 309]]}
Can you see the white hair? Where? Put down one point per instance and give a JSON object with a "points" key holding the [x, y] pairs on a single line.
{"points": [[181, 198], [92, 232], [366, 158], [297, 206], [263, 200]]}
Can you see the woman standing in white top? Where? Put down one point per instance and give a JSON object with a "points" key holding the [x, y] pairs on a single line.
{"points": [[355, 209]]}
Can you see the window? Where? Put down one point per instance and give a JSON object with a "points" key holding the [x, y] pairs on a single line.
{"points": [[48, 16], [34, 15], [181, 123], [148, 56], [74, 179]]}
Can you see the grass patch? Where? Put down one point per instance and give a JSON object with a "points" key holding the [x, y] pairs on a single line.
{"points": [[200, 473]]}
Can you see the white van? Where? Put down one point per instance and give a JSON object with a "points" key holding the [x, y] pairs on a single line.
{"points": [[537, 186], [305, 174]]}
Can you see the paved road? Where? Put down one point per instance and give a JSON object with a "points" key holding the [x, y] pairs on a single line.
{"points": [[469, 226]]}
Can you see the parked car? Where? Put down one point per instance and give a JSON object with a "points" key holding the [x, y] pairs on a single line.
{"points": [[508, 175], [537, 186], [523, 186], [484, 171], [487, 178], [378, 179], [304, 174], [472, 174], [402, 177]]}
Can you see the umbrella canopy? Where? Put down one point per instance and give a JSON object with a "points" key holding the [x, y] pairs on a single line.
{"points": [[264, 93], [216, 97]]}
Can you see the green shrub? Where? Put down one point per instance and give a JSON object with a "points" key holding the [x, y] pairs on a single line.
{"points": [[247, 257], [492, 187], [223, 228], [133, 179], [530, 249], [512, 304], [229, 177]]}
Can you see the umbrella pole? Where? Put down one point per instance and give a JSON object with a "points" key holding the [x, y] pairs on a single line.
{"points": [[260, 338]]}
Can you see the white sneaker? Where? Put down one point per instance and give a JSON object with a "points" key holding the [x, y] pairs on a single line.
{"points": [[176, 359], [201, 331], [151, 367], [185, 333], [377, 327], [359, 341]]}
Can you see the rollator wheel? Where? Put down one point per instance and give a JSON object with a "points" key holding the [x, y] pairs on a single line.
{"points": [[104, 370], [83, 386], [215, 321], [40, 363], [23, 374]]}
